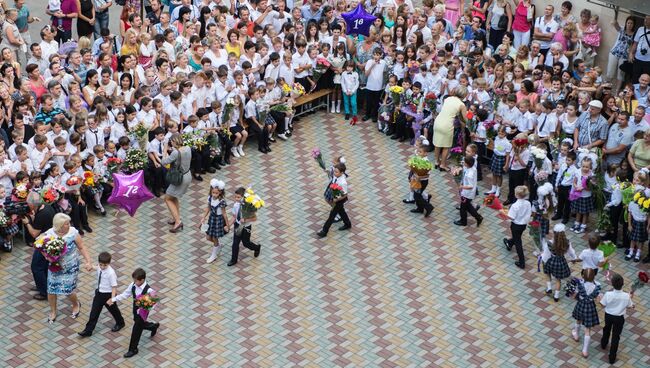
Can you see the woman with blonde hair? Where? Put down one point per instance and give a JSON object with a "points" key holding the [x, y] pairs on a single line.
{"points": [[453, 107], [64, 280], [179, 159], [131, 44]]}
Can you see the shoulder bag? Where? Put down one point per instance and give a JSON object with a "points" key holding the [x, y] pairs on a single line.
{"points": [[174, 175]]}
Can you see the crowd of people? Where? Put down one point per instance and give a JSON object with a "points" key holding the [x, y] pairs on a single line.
{"points": [[496, 85]]}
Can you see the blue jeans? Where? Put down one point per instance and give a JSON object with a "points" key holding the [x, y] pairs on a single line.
{"points": [[350, 104], [39, 272], [101, 21]]}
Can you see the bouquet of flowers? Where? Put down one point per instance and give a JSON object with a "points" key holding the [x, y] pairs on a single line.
{"points": [[51, 195], [321, 68], [145, 303], [141, 134], [252, 202], [316, 155], [89, 179], [396, 93], [490, 132], [431, 101], [194, 140], [113, 165], [297, 90], [282, 107], [413, 66], [535, 233], [519, 142], [496, 98], [539, 155], [286, 90], [227, 110], [420, 167], [20, 192], [627, 193], [571, 287], [493, 202], [135, 161], [73, 183], [337, 190], [641, 281], [608, 248], [52, 248]]}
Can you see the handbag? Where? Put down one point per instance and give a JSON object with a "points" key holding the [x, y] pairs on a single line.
{"points": [[503, 22], [174, 175]]}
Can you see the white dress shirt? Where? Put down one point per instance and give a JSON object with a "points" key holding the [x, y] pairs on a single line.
{"points": [[376, 77], [106, 279], [349, 81], [298, 60], [615, 302], [126, 294], [520, 212]]}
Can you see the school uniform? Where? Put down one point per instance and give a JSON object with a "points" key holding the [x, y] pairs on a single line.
{"points": [[517, 173], [156, 174], [374, 86], [545, 125], [614, 206], [301, 77], [563, 183], [418, 195], [350, 83], [615, 303], [639, 232], [106, 281], [502, 148], [242, 236], [79, 215], [556, 264], [251, 111], [467, 195], [585, 203], [585, 310], [519, 213], [225, 143], [338, 208], [139, 324], [93, 137]]}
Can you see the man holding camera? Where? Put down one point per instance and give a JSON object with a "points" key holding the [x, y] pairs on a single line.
{"points": [[640, 51]]}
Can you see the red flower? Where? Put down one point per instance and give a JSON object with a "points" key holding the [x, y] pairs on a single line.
{"points": [[335, 186], [644, 277], [470, 115], [520, 142], [534, 223]]}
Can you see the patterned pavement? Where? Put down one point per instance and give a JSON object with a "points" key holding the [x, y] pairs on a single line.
{"points": [[395, 291]]}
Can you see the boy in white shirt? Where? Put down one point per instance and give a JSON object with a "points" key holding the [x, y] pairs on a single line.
{"points": [[22, 161], [375, 73], [40, 155], [615, 303], [155, 153], [468, 193], [17, 138], [56, 131], [39, 129], [257, 127], [519, 213]]}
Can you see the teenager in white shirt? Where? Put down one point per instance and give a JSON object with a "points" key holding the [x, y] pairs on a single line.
{"points": [[374, 71], [519, 214]]}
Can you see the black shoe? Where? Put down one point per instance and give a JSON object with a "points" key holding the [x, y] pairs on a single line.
{"points": [[520, 265], [507, 243], [117, 327], [415, 210], [556, 299], [268, 149], [612, 359], [103, 212], [227, 161], [262, 150], [365, 118], [256, 253], [321, 234], [217, 167], [155, 329], [130, 353], [603, 344], [81, 232], [211, 170], [347, 116], [646, 259], [556, 217], [87, 228], [394, 137], [459, 223], [197, 177], [407, 201], [479, 221], [565, 221], [39, 297], [345, 227], [428, 211], [232, 263], [85, 333], [272, 140]]}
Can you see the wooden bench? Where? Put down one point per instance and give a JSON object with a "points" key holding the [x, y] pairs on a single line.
{"points": [[313, 96]]}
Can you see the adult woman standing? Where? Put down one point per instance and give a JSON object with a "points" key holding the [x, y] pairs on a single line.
{"points": [[180, 158], [363, 54], [86, 18], [11, 37], [64, 282], [443, 128], [522, 23], [68, 12], [639, 156], [618, 53], [497, 27], [35, 81]]}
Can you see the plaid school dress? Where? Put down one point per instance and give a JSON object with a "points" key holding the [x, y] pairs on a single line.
{"points": [[557, 266], [585, 310], [544, 223], [216, 221]]}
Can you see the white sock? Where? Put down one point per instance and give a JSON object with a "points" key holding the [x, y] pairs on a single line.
{"points": [[338, 105], [638, 252], [497, 191], [585, 344], [556, 294], [576, 224], [215, 249], [410, 196], [548, 285], [493, 189]]}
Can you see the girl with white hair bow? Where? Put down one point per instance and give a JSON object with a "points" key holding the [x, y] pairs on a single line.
{"points": [[555, 260], [215, 217]]}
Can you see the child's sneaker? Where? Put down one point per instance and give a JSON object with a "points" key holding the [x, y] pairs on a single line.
{"points": [[235, 152], [581, 229], [575, 227], [491, 191], [628, 254], [282, 136]]}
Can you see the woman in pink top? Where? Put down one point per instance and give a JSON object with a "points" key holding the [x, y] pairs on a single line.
{"points": [[453, 9], [524, 14]]}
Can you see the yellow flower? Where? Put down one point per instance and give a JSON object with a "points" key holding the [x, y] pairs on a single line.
{"points": [[249, 199], [646, 203], [250, 191], [640, 201], [637, 195]]}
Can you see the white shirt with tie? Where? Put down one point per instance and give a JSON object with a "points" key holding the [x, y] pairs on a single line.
{"points": [[106, 279], [126, 294]]}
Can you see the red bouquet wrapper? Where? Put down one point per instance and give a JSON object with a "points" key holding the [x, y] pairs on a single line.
{"points": [[143, 313], [493, 202]]}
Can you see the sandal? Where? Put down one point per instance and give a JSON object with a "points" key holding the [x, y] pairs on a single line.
{"points": [[75, 315]]}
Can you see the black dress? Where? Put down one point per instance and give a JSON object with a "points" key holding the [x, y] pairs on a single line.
{"points": [[84, 28]]}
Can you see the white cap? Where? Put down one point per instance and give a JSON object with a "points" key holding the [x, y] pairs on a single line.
{"points": [[597, 104]]}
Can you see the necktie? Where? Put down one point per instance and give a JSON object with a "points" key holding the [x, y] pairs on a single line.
{"points": [[96, 137], [99, 281], [160, 148]]}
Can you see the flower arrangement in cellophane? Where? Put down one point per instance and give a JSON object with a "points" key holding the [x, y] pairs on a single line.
{"points": [[316, 155], [20, 192], [135, 161], [141, 134], [297, 90], [50, 195], [145, 303], [321, 68], [431, 101], [73, 183], [251, 203], [52, 248], [420, 167], [113, 165], [641, 281], [286, 89], [89, 179], [642, 201], [396, 94], [194, 140], [227, 110]]}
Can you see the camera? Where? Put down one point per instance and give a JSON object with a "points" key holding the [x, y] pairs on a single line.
{"points": [[644, 51], [67, 70], [16, 208]]}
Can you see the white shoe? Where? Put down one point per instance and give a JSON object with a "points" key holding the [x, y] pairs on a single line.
{"points": [[235, 152], [213, 256], [333, 108], [282, 136], [338, 109], [240, 149]]}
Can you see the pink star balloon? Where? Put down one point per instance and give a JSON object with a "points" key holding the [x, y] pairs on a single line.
{"points": [[129, 191]]}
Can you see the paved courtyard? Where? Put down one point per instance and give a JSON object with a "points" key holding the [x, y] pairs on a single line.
{"points": [[397, 290]]}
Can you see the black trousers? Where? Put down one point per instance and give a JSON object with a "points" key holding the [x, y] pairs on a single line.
{"points": [[226, 145], [337, 209], [200, 159], [420, 202], [99, 302], [139, 325], [262, 134], [465, 207], [615, 218], [613, 326], [279, 119], [372, 99], [563, 205], [515, 179], [245, 239], [517, 231], [403, 127], [39, 272], [78, 214]]}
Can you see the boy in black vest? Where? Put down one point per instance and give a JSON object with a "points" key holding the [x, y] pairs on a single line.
{"points": [[138, 287]]}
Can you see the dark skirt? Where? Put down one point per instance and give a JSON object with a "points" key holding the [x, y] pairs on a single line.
{"points": [[9, 230], [639, 231], [583, 205], [215, 226], [558, 267], [496, 164], [236, 129], [585, 311], [544, 224]]}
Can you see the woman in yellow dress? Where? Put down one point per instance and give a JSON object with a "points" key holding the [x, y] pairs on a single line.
{"points": [[233, 45], [443, 127]]}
